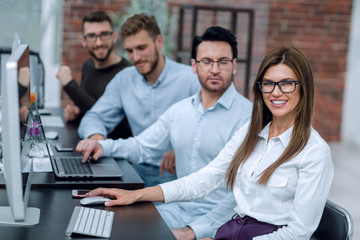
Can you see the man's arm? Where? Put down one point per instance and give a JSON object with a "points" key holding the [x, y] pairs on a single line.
{"points": [[79, 96], [105, 115], [148, 147], [151, 144], [83, 100]]}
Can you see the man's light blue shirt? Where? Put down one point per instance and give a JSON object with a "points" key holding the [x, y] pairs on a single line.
{"points": [[196, 136], [129, 94]]}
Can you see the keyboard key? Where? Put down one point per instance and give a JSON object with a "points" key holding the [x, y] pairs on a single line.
{"points": [[89, 220], [95, 223], [83, 220], [101, 223], [108, 224]]}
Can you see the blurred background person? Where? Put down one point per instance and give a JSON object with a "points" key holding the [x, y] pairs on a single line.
{"points": [[99, 38]]}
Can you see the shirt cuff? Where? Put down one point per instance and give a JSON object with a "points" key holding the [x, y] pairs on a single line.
{"points": [[70, 85], [203, 230], [170, 191], [106, 146]]}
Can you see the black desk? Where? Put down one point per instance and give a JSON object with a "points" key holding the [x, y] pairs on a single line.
{"points": [[53, 198], [138, 221], [68, 135]]}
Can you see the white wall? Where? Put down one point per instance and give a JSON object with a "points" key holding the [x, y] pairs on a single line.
{"points": [[351, 105], [23, 17], [50, 49]]}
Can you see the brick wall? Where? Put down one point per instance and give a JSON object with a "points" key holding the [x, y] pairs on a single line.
{"points": [[319, 28]]}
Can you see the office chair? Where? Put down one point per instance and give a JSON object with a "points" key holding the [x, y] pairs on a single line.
{"points": [[37, 73], [336, 224]]}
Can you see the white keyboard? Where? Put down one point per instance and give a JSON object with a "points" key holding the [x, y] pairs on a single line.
{"points": [[51, 121], [91, 222]]}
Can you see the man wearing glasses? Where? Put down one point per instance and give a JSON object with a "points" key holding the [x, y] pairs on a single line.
{"points": [[98, 38], [141, 92], [197, 128]]}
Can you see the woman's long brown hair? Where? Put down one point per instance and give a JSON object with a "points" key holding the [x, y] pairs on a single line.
{"points": [[261, 115]]}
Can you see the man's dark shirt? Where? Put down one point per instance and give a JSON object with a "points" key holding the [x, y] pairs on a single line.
{"points": [[92, 86]]}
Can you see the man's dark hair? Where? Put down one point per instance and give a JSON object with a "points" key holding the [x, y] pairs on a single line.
{"points": [[96, 17], [215, 33]]}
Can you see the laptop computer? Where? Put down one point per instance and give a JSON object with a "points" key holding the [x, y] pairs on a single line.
{"points": [[72, 167]]}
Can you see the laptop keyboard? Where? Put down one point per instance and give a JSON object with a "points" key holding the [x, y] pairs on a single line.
{"points": [[73, 165], [91, 222]]}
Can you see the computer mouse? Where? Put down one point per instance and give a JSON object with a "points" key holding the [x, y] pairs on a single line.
{"points": [[94, 200], [51, 135]]}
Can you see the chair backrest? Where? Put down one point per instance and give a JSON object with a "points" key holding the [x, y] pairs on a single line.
{"points": [[37, 73], [336, 224]]}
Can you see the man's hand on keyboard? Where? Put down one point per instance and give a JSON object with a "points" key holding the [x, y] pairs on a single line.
{"points": [[89, 146]]}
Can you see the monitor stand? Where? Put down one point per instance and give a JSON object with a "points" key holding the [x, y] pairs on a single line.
{"points": [[32, 217]]}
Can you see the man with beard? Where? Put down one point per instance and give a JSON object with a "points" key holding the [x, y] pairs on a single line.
{"points": [[197, 128], [98, 38], [141, 92]]}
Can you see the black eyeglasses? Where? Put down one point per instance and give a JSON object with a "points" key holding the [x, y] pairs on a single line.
{"points": [[286, 86], [207, 64], [104, 36]]}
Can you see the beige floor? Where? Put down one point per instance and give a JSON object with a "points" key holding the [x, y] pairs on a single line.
{"points": [[345, 190]]}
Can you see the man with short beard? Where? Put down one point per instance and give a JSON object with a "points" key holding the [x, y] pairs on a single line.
{"points": [[98, 38], [141, 92]]}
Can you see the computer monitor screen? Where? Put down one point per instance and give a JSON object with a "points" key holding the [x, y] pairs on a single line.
{"points": [[17, 73]]}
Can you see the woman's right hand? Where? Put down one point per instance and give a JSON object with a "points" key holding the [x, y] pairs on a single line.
{"points": [[118, 196], [124, 197]]}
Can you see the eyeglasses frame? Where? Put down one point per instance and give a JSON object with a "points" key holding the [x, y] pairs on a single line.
{"points": [[212, 63], [98, 36], [278, 84]]}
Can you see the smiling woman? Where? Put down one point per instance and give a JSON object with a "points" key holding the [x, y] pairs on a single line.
{"points": [[284, 96]]}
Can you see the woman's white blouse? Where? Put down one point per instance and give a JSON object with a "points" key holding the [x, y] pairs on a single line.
{"points": [[294, 196]]}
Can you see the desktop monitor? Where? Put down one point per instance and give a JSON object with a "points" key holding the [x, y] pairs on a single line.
{"points": [[17, 213]]}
